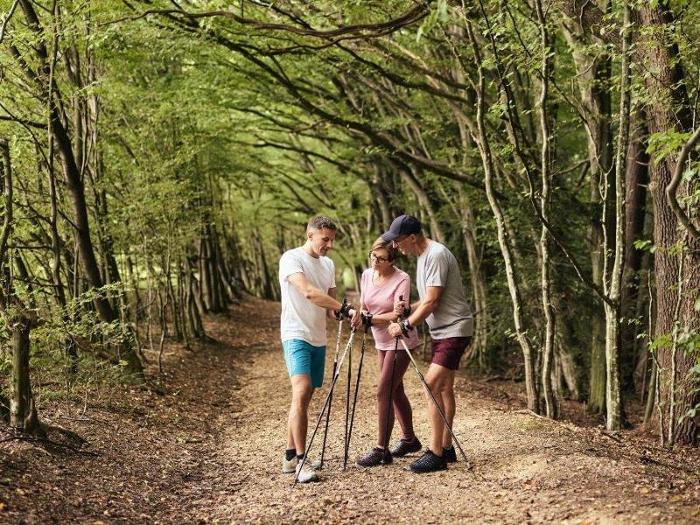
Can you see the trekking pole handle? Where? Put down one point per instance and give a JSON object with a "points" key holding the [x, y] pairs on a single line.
{"points": [[403, 319]]}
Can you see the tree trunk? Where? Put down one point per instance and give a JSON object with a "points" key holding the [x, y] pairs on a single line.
{"points": [[677, 274], [636, 194], [593, 66], [503, 240], [482, 318], [23, 413], [545, 204]]}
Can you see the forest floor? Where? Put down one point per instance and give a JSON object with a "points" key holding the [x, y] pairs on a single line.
{"points": [[207, 446]]}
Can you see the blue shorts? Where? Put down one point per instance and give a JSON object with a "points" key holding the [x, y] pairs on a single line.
{"points": [[303, 358]]}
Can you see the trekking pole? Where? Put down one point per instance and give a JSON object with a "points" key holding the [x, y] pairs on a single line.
{"points": [[347, 410], [330, 401], [432, 396], [357, 388], [325, 405]]}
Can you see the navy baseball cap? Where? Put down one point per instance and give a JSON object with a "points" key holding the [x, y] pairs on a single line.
{"points": [[402, 225]]}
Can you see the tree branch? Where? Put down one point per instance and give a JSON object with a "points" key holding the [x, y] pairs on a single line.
{"points": [[672, 187], [356, 30]]}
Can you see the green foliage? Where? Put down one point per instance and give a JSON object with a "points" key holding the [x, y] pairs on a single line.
{"points": [[211, 125], [665, 143]]}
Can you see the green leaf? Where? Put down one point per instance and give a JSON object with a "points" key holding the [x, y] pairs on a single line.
{"points": [[665, 143]]}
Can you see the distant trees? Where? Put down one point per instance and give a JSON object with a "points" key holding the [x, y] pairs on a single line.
{"points": [[184, 147]]}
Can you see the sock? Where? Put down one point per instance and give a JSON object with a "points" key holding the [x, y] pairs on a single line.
{"points": [[448, 448], [300, 457], [289, 454]]}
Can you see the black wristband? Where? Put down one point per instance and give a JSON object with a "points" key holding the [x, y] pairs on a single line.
{"points": [[344, 311]]}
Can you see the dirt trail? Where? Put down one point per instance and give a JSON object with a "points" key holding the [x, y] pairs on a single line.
{"points": [[209, 452], [524, 468]]}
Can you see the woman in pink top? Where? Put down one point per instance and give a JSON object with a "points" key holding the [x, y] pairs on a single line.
{"points": [[381, 286]]}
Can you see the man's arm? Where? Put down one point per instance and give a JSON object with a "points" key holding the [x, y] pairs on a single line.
{"points": [[424, 308], [430, 302], [427, 306], [313, 294], [319, 297], [331, 293]]}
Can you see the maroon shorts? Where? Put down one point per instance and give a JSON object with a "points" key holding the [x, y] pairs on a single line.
{"points": [[448, 352]]}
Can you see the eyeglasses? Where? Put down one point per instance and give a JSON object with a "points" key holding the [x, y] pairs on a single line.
{"points": [[399, 240], [378, 259]]}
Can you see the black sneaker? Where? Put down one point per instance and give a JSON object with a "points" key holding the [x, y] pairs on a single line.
{"points": [[376, 456], [450, 455], [404, 447], [428, 462]]}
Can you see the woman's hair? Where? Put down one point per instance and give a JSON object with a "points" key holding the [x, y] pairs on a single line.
{"points": [[388, 246]]}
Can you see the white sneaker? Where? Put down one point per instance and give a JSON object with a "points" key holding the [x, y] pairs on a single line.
{"points": [[289, 466], [306, 474]]}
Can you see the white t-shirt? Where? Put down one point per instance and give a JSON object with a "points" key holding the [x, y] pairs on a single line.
{"points": [[301, 319]]}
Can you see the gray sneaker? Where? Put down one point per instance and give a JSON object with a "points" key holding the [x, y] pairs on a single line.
{"points": [[306, 474]]}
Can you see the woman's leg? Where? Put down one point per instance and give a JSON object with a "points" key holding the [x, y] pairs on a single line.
{"points": [[402, 406], [398, 397], [385, 414]]}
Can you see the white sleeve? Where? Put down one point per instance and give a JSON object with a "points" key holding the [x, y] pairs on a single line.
{"points": [[289, 265], [331, 266]]}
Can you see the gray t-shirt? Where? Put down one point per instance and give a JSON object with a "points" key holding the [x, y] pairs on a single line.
{"points": [[437, 266]]}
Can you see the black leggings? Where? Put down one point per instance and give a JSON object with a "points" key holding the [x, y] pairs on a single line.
{"points": [[401, 405]]}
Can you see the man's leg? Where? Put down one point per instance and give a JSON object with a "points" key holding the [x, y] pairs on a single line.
{"points": [[438, 379], [298, 412], [298, 357], [290, 438], [450, 406]]}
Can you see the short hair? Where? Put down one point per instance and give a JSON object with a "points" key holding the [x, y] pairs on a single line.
{"points": [[388, 246], [321, 223]]}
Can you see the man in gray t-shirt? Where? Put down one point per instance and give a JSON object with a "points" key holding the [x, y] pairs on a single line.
{"points": [[444, 307], [452, 316]]}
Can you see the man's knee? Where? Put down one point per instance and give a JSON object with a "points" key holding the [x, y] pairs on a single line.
{"points": [[438, 381], [436, 384], [301, 391]]}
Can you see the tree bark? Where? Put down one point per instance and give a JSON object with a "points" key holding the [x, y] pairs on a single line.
{"points": [[593, 70], [512, 278], [632, 299], [677, 274]]}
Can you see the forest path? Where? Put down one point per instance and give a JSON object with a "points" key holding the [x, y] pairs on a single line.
{"points": [[209, 451], [524, 468]]}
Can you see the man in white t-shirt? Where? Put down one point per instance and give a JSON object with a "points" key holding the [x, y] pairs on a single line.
{"points": [[307, 283], [444, 307]]}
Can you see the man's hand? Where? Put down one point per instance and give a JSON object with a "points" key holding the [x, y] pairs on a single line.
{"points": [[402, 308], [345, 309], [395, 330], [399, 307]]}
